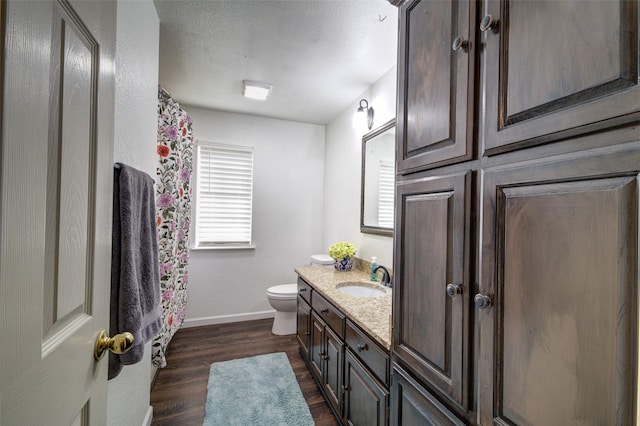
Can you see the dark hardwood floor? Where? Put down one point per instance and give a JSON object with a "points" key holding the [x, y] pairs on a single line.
{"points": [[179, 392]]}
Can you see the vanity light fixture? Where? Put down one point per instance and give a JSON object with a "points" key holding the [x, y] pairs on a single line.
{"points": [[364, 106], [256, 90]]}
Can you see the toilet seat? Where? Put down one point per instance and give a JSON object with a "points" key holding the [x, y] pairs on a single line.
{"points": [[283, 291]]}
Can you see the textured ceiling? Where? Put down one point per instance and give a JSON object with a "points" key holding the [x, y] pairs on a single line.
{"points": [[318, 54]]}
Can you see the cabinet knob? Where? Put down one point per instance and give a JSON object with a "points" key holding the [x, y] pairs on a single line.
{"points": [[307, 333], [324, 311], [302, 290], [454, 289], [459, 43], [363, 347], [482, 301], [488, 23]]}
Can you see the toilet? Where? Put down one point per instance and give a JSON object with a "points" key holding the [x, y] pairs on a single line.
{"points": [[282, 298]]}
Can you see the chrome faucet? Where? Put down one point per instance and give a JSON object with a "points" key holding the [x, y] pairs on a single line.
{"points": [[386, 277]]}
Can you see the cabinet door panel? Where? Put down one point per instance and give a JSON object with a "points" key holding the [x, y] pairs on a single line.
{"points": [[303, 331], [365, 400], [557, 69], [436, 84], [430, 328], [317, 350], [561, 268], [332, 380]]}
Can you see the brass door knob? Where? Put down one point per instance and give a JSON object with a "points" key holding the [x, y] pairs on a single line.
{"points": [[488, 23], [482, 301], [118, 344], [453, 290], [459, 43]]}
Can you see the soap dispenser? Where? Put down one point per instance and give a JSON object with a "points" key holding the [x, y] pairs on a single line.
{"points": [[373, 276]]}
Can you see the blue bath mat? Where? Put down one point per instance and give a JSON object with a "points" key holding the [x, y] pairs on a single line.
{"points": [[260, 390]]}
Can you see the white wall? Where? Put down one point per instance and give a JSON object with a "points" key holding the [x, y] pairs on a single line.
{"points": [[230, 285], [343, 164], [136, 99]]}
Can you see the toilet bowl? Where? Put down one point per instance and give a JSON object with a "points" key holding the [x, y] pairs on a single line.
{"points": [[282, 298]]}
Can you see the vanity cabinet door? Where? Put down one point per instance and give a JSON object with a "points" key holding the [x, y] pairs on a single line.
{"points": [[557, 69], [431, 283], [303, 329], [332, 378], [317, 350], [435, 84], [365, 400], [558, 295]]}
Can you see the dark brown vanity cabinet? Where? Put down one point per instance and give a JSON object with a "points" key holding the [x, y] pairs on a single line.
{"points": [[350, 367], [516, 263], [435, 93]]}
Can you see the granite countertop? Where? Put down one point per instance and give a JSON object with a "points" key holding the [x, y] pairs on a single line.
{"points": [[372, 314]]}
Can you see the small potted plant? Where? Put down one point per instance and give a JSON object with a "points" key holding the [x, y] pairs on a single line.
{"points": [[342, 252]]}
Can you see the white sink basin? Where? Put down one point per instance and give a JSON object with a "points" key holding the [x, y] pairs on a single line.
{"points": [[360, 289]]}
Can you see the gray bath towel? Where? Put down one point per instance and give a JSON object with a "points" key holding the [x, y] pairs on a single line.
{"points": [[135, 279]]}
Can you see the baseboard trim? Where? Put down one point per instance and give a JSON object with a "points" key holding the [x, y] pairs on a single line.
{"points": [[148, 417], [223, 319]]}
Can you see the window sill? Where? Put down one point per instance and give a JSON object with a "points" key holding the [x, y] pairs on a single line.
{"points": [[226, 247]]}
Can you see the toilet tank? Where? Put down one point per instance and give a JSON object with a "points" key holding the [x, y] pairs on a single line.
{"points": [[321, 260]]}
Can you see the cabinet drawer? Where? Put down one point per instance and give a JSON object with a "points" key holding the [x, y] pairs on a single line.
{"points": [[304, 290], [332, 316], [374, 357]]}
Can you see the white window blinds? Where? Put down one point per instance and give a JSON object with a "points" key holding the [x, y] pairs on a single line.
{"points": [[386, 193], [224, 194]]}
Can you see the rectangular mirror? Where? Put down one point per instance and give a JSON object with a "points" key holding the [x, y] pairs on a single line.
{"points": [[378, 180]]}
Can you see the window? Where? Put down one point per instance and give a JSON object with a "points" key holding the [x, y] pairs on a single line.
{"points": [[224, 195]]}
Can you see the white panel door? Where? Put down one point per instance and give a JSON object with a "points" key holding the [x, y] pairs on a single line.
{"points": [[56, 179]]}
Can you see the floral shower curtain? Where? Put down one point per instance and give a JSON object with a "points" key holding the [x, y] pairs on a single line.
{"points": [[173, 217]]}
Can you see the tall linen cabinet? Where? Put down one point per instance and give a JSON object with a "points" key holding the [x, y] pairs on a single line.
{"points": [[516, 235]]}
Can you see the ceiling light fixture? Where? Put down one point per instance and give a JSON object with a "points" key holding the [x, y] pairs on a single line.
{"points": [[364, 106], [256, 90]]}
